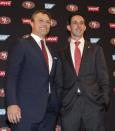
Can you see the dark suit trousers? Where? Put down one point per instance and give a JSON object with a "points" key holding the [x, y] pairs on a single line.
{"points": [[47, 124], [83, 114]]}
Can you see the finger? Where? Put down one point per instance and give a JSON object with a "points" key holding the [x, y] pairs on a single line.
{"points": [[14, 119], [58, 129], [10, 118], [19, 115], [18, 118]]}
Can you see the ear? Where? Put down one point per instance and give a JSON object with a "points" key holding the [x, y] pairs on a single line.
{"points": [[31, 23], [68, 28], [85, 28]]}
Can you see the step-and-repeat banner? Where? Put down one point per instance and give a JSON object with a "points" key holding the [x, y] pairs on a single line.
{"points": [[15, 23]]}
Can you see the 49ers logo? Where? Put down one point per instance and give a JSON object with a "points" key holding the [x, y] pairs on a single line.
{"points": [[3, 55], [72, 7], [5, 20], [112, 25], [111, 10], [2, 73], [2, 93], [94, 24], [53, 23], [28, 4], [113, 41], [5, 129]]}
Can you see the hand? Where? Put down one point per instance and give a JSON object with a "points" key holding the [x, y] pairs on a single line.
{"points": [[58, 128], [14, 113]]}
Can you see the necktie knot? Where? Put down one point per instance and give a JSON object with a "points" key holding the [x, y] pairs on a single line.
{"points": [[77, 43], [42, 43]]}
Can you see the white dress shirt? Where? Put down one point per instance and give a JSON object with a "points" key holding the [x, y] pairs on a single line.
{"points": [[50, 61], [72, 50], [38, 39]]}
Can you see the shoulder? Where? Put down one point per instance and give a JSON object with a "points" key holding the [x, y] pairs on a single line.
{"points": [[19, 46], [21, 43], [93, 46]]}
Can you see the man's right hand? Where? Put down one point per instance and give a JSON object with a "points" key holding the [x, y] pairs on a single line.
{"points": [[58, 128], [14, 113]]}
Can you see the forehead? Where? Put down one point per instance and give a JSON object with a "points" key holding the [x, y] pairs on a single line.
{"points": [[42, 16], [77, 18]]}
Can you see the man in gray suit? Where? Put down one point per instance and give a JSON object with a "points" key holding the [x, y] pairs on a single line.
{"points": [[86, 81]]}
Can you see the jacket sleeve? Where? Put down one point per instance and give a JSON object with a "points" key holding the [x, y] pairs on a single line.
{"points": [[102, 75], [15, 63]]}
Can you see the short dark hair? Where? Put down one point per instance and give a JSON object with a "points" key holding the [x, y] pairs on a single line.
{"points": [[40, 11], [74, 14]]}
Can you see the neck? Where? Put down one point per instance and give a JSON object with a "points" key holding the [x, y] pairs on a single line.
{"points": [[76, 38]]}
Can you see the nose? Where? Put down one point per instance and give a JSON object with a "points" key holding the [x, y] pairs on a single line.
{"points": [[43, 23], [78, 24]]}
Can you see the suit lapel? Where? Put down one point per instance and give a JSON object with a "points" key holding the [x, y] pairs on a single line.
{"points": [[33, 43], [83, 59], [87, 46], [38, 51], [69, 59], [53, 69]]}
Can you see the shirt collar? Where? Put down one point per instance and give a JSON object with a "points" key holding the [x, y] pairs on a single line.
{"points": [[81, 40], [36, 38]]}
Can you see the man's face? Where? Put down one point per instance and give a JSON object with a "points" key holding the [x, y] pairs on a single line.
{"points": [[41, 25], [77, 26]]}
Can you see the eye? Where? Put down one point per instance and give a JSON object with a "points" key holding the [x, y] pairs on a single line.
{"points": [[82, 22], [48, 22], [40, 21], [74, 22]]}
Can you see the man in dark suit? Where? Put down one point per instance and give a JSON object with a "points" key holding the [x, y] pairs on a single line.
{"points": [[86, 82], [34, 80]]}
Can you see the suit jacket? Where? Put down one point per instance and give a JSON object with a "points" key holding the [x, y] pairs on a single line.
{"points": [[28, 78], [92, 80]]}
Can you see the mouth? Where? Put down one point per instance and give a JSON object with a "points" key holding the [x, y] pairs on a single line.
{"points": [[78, 31], [42, 28]]}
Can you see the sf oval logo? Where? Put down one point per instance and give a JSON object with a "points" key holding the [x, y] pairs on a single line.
{"points": [[3, 55], [53, 23], [2, 93], [72, 7], [113, 41], [111, 10], [2, 73], [28, 4], [5, 129], [94, 24], [5, 20]]}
